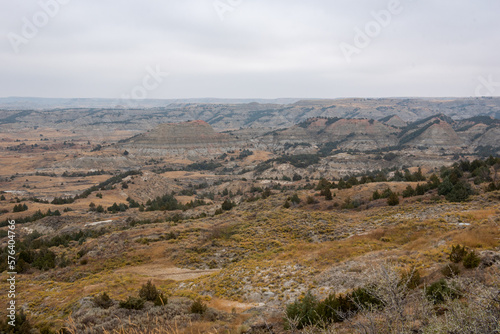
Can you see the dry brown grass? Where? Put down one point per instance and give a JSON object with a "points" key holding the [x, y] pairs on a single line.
{"points": [[155, 327], [479, 237]]}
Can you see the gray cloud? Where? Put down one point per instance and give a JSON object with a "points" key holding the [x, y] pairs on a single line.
{"points": [[279, 48]]}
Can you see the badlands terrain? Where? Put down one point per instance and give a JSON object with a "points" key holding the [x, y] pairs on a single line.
{"points": [[337, 216]]}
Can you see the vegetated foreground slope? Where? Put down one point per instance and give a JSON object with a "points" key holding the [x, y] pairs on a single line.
{"points": [[232, 256]]}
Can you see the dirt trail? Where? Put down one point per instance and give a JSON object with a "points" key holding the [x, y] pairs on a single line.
{"points": [[165, 271]]}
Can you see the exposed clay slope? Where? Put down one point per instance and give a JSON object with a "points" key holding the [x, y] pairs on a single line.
{"points": [[394, 121], [193, 133], [439, 135], [360, 134]]}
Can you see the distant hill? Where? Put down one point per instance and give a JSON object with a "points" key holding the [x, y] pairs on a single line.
{"points": [[37, 103], [438, 133], [235, 114]]}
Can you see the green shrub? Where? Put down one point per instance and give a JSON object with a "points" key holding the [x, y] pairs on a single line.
{"points": [[20, 208], [149, 292], [198, 307], [439, 291], [334, 308], [310, 312], [445, 187], [327, 193], [421, 189], [103, 301], [350, 204], [471, 260], [132, 303], [294, 199], [227, 205], [408, 192], [393, 199], [363, 299], [303, 312], [457, 253], [323, 184], [460, 192]]}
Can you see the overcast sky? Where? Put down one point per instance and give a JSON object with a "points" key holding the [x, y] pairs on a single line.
{"points": [[249, 48]]}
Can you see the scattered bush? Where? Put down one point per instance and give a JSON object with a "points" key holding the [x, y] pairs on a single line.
{"points": [[132, 303], [327, 193], [471, 260], [302, 313], [20, 208], [310, 200], [351, 204], [438, 292], [460, 192], [103, 301], [294, 199], [408, 192], [227, 205], [457, 253], [118, 208], [393, 199], [310, 312], [148, 291], [198, 307]]}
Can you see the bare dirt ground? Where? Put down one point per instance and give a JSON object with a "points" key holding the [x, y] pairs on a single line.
{"points": [[161, 270]]}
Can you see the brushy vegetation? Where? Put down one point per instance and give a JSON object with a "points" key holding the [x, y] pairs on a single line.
{"points": [[149, 292], [440, 291], [132, 303], [248, 245], [388, 306], [198, 307], [34, 250], [308, 311], [103, 301]]}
